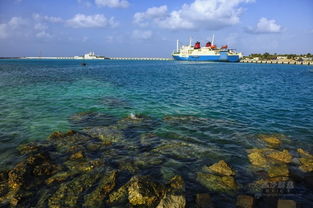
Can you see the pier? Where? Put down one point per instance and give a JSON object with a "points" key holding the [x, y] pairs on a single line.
{"points": [[143, 59], [277, 62]]}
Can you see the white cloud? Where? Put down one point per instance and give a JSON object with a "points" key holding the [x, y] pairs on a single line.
{"points": [[40, 26], [43, 34], [16, 22], [3, 31], [142, 34], [152, 13], [97, 20], [266, 26], [207, 14], [52, 19], [112, 3]]}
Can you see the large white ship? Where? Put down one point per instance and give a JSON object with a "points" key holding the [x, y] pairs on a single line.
{"points": [[208, 53]]}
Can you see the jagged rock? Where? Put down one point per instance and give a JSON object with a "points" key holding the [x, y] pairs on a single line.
{"points": [[77, 155], [176, 184], [272, 140], [172, 201], [120, 196], [257, 159], [278, 171], [217, 183], [68, 194], [24, 173], [244, 201], [306, 164], [281, 156], [204, 200], [60, 135], [143, 191], [83, 166], [286, 204], [59, 177], [106, 185], [221, 168]]}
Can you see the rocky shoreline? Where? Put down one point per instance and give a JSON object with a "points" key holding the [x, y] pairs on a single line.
{"points": [[101, 167]]}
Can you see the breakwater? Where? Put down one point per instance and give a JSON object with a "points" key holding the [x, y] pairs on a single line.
{"points": [[278, 62]]}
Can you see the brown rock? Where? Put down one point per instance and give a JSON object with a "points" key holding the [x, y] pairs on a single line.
{"points": [[244, 201], [172, 201], [304, 153], [77, 155], [281, 156], [306, 164], [272, 140], [203, 200], [278, 171], [217, 183], [177, 184], [222, 168], [143, 191], [286, 204], [257, 159]]}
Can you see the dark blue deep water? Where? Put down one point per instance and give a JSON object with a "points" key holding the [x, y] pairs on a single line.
{"points": [[221, 107]]}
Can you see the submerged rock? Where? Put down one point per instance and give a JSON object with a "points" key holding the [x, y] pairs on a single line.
{"points": [[244, 201], [176, 184], [271, 139], [257, 159], [92, 119], [306, 164], [304, 153], [105, 186], [143, 191], [59, 177], [204, 200], [120, 196], [69, 193], [221, 168], [281, 156], [217, 183], [172, 201], [281, 203], [107, 135], [278, 171]]}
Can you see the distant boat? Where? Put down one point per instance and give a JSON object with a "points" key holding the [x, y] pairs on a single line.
{"points": [[208, 53]]}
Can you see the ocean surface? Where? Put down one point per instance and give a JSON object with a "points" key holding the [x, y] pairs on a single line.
{"points": [[216, 109]]}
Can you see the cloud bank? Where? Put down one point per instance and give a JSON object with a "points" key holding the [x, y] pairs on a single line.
{"points": [[92, 21], [112, 3], [265, 26], [207, 14]]}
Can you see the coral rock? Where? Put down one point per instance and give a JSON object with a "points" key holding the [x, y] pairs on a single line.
{"points": [[306, 164]]}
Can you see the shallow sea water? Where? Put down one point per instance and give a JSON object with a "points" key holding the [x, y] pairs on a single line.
{"points": [[200, 112]]}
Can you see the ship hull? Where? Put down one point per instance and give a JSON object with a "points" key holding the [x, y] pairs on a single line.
{"points": [[213, 58]]}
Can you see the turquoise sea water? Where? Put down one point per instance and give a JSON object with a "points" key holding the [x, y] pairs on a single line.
{"points": [[233, 103]]}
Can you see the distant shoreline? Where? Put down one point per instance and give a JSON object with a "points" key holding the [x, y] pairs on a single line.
{"points": [[160, 59]]}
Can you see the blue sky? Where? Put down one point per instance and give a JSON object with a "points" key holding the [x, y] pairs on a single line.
{"points": [[150, 28]]}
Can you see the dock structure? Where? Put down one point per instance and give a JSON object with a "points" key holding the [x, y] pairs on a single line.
{"points": [[142, 59], [277, 62]]}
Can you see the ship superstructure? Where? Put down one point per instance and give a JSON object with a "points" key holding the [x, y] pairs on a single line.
{"points": [[208, 53]]}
